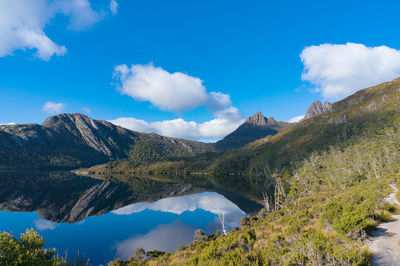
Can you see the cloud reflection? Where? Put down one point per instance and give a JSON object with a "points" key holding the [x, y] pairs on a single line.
{"points": [[164, 237], [42, 225], [208, 201]]}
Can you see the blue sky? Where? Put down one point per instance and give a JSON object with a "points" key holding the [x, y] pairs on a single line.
{"points": [[230, 59]]}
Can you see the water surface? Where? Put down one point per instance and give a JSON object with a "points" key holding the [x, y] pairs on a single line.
{"points": [[104, 220]]}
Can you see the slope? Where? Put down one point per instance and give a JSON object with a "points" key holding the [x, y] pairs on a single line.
{"points": [[255, 127], [75, 140], [367, 110], [323, 207]]}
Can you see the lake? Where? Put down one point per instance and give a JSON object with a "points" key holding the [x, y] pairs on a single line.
{"points": [[107, 219]]}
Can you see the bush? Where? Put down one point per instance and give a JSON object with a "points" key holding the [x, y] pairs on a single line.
{"points": [[28, 250]]}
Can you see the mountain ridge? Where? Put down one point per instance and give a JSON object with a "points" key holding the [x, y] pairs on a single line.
{"points": [[76, 140], [255, 127]]}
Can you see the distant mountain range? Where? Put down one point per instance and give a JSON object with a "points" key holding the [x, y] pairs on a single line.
{"points": [[75, 140]]}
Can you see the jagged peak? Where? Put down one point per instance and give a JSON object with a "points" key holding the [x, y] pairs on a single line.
{"points": [[271, 121], [257, 119], [317, 108]]}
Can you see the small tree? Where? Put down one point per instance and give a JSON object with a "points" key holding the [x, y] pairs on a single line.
{"points": [[28, 250]]}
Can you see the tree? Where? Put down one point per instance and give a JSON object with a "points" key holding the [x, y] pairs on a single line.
{"points": [[28, 250]]}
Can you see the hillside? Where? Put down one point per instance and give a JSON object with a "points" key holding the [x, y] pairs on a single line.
{"points": [[253, 166], [322, 182], [367, 111], [326, 179], [317, 108], [255, 127], [75, 140]]}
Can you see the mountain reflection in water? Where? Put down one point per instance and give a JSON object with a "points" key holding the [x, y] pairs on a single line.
{"points": [[105, 219]]}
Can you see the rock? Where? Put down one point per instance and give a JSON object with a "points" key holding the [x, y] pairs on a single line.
{"points": [[75, 140], [255, 127], [317, 108]]}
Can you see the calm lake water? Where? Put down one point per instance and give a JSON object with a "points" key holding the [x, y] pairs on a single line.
{"points": [[104, 220]]}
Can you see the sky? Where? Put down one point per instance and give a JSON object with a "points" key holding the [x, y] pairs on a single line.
{"points": [[190, 69]]}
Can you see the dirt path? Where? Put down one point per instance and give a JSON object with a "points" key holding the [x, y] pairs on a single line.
{"points": [[384, 242]]}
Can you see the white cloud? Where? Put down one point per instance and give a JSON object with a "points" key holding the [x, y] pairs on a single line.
{"points": [[53, 108], [114, 7], [86, 110], [175, 92], [179, 128], [42, 225], [22, 24], [218, 101], [7, 124], [80, 13], [340, 70], [167, 91], [296, 119]]}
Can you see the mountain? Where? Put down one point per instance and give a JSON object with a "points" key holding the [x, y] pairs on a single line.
{"points": [[368, 110], [75, 140], [317, 108], [325, 186], [255, 127]]}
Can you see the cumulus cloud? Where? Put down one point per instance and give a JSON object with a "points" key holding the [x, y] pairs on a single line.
{"points": [[113, 7], [167, 91], [208, 131], [80, 13], [42, 225], [218, 101], [22, 24], [53, 108], [296, 119], [175, 92], [339, 70]]}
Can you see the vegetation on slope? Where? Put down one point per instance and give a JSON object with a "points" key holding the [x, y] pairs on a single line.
{"points": [[324, 181], [320, 214], [253, 166], [75, 140]]}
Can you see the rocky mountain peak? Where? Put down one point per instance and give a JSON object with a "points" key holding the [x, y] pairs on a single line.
{"points": [[255, 127], [271, 121], [258, 119], [65, 118], [317, 108]]}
